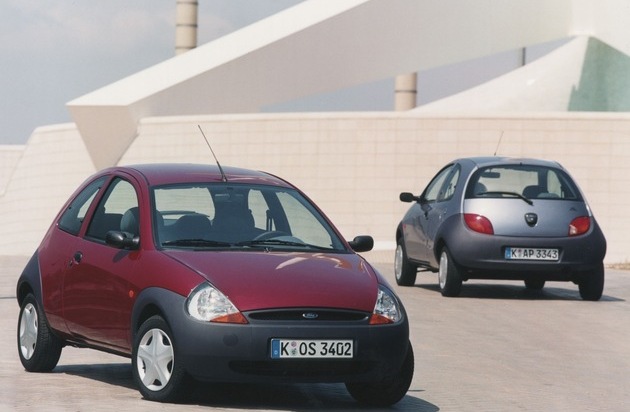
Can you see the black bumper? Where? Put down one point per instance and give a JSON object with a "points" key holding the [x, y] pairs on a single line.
{"points": [[482, 256], [242, 353]]}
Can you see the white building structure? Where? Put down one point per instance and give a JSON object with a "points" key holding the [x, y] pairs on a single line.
{"points": [[571, 105]]}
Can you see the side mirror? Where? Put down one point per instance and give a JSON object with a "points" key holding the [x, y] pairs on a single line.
{"points": [[120, 240], [408, 197], [362, 243]]}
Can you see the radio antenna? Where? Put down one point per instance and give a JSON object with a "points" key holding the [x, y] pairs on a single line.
{"points": [[498, 143], [223, 176]]}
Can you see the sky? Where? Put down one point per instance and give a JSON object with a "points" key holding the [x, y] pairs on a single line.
{"points": [[53, 51]]}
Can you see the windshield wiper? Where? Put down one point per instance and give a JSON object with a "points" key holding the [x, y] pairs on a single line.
{"points": [[196, 242], [520, 196], [279, 242]]}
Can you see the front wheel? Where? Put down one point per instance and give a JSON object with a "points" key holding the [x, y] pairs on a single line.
{"points": [[388, 392], [38, 348], [157, 370], [449, 275], [404, 270], [592, 285]]}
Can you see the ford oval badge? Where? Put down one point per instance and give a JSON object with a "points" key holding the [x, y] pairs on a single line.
{"points": [[531, 219], [310, 315]]}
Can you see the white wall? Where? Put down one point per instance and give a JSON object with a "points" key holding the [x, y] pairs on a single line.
{"points": [[353, 165]]}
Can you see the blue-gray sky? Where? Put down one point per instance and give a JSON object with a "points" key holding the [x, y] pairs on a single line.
{"points": [[52, 51]]}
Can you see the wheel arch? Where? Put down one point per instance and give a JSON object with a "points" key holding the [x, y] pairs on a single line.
{"points": [[444, 236], [30, 281], [156, 301]]}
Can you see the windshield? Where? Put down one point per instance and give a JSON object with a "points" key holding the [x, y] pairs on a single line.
{"points": [[224, 215], [522, 181]]}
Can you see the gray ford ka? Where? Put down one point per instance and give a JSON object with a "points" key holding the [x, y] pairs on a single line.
{"points": [[501, 218]]}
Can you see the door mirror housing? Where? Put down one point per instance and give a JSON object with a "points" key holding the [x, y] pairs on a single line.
{"points": [[362, 243], [408, 197], [121, 240]]}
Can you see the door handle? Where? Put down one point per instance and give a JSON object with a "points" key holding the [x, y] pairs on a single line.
{"points": [[78, 256]]}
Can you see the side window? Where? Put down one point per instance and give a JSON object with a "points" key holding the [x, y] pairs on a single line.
{"points": [[120, 199], [72, 218], [450, 186], [434, 191]]}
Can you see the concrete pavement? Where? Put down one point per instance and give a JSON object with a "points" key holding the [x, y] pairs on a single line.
{"points": [[498, 347]]}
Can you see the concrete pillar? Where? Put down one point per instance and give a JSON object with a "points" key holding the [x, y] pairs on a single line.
{"points": [[405, 93], [186, 26]]}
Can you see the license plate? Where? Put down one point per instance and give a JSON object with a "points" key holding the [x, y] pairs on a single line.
{"points": [[528, 253], [325, 348]]}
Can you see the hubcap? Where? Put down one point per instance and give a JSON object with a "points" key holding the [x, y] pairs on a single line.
{"points": [[443, 269], [155, 359], [28, 331], [398, 257]]}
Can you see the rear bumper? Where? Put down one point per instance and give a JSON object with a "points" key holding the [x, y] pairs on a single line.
{"points": [[483, 256]]}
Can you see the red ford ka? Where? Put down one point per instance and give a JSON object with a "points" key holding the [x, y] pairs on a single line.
{"points": [[228, 275]]}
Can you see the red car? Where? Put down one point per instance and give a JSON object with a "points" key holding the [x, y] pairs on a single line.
{"points": [[228, 275]]}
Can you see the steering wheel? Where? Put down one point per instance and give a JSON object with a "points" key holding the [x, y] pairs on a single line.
{"points": [[271, 234]]}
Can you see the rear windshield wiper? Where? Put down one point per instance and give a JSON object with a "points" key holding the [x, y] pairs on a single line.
{"points": [[497, 192], [196, 243]]}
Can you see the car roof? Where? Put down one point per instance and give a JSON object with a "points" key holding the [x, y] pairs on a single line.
{"points": [[156, 174], [484, 161]]}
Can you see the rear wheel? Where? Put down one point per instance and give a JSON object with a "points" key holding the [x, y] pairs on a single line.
{"points": [[534, 284], [592, 285], [157, 370], [387, 392], [38, 348], [404, 270], [449, 275]]}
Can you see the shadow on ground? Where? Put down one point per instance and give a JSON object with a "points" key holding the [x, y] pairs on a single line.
{"points": [[294, 397], [516, 292]]}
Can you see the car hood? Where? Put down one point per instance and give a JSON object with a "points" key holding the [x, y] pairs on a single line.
{"points": [[261, 280]]}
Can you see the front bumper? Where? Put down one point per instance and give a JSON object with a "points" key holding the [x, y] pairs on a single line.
{"points": [[242, 353]]}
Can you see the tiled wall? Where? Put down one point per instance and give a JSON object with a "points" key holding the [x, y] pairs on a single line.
{"points": [[353, 165]]}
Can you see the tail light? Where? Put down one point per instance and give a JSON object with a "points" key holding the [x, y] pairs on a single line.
{"points": [[479, 223], [579, 225]]}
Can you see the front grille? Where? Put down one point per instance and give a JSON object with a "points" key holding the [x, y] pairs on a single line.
{"points": [[308, 315]]}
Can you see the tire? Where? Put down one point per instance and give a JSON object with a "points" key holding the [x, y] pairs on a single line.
{"points": [[404, 270], [592, 285], [385, 393], [535, 284], [38, 347], [156, 370], [449, 277]]}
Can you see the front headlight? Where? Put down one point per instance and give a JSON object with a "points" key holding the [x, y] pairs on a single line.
{"points": [[386, 309], [207, 303]]}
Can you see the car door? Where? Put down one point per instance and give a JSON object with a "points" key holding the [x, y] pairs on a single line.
{"points": [[430, 212], [98, 295], [58, 247]]}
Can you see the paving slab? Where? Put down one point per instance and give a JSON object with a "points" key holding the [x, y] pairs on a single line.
{"points": [[497, 347]]}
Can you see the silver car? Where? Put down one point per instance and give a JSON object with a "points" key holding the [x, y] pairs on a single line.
{"points": [[501, 218]]}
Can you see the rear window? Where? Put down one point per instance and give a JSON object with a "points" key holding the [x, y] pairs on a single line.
{"points": [[531, 182]]}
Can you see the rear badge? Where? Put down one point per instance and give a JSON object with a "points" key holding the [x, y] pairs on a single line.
{"points": [[531, 219]]}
